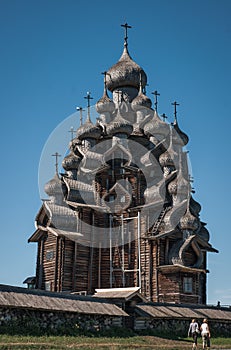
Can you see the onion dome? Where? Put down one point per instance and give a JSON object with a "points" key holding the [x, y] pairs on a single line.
{"points": [[178, 186], [73, 146], [54, 186], [179, 137], [125, 73], [173, 187], [71, 161], [105, 104], [141, 101], [189, 221], [119, 126], [156, 127], [88, 130], [204, 233], [195, 206], [169, 157]]}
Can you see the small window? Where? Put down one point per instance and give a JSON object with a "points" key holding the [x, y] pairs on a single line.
{"points": [[188, 284], [122, 199], [48, 286], [111, 198], [31, 285], [49, 254]]}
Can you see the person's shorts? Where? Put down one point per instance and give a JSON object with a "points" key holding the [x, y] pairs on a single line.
{"points": [[206, 339], [194, 336]]}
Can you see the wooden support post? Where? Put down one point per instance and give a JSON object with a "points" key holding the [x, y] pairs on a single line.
{"points": [[91, 250], [139, 262], [41, 277], [110, 248], [122, 233], [99, 265], [74, 267], [56, 265]]}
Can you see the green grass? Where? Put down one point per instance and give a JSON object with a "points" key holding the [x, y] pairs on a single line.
{"points": [[12, 342]]}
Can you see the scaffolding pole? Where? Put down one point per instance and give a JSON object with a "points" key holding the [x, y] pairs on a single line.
{"points": [[122, 237], [110, 243]]}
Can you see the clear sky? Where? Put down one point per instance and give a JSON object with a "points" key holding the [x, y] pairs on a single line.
{"points": [[53, 52]]}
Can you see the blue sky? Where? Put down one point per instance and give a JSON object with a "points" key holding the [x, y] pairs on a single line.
{"points": [[53, 52]]}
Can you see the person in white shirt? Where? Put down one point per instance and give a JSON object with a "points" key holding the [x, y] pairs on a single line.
{"points": [[205, 333], [193, 331]]}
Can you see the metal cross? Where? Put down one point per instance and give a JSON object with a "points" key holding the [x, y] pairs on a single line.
{"points": [[164, 117], [80, 109], [56, 155], [118, 96], [126, 26], [156, 94], [175, 111], [72, 132], [104, 80], [88, 98]]}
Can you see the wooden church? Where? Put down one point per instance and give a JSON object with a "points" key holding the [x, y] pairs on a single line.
{"points": [[121, 214]]}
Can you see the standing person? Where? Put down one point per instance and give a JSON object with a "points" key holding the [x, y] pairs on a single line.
{"points": [[193, 331], [205, 333]]}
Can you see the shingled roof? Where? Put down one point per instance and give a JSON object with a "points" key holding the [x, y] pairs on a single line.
{"points": [[18, 297], [119, 293], [183, 311]]}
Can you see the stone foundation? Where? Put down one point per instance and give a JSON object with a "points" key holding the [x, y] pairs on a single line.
{"points": [[25, 321]]}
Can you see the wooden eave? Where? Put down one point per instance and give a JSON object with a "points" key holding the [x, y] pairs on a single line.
{"points": [[41, 230], [36, 236], [73, 236], [83, 205], [207, 246], [159, 235], [100, 169], [41, 212], [123, 294], [180, 268]]}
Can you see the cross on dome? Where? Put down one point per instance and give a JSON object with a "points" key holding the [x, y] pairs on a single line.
{"points": [[88, 98], [175, 111], [119, 96], [80, 109], [164, 117], [72, 132], [56, 155], [156, 94], [126, 27], [104, 80]]}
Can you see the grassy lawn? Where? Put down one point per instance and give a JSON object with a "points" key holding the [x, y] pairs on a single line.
{"points": [[9, 342]]}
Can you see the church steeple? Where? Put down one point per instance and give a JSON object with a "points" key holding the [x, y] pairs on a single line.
{"points": [[88, 130], [179, 136], [125, 74], [54, 187], [105, 104]]}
